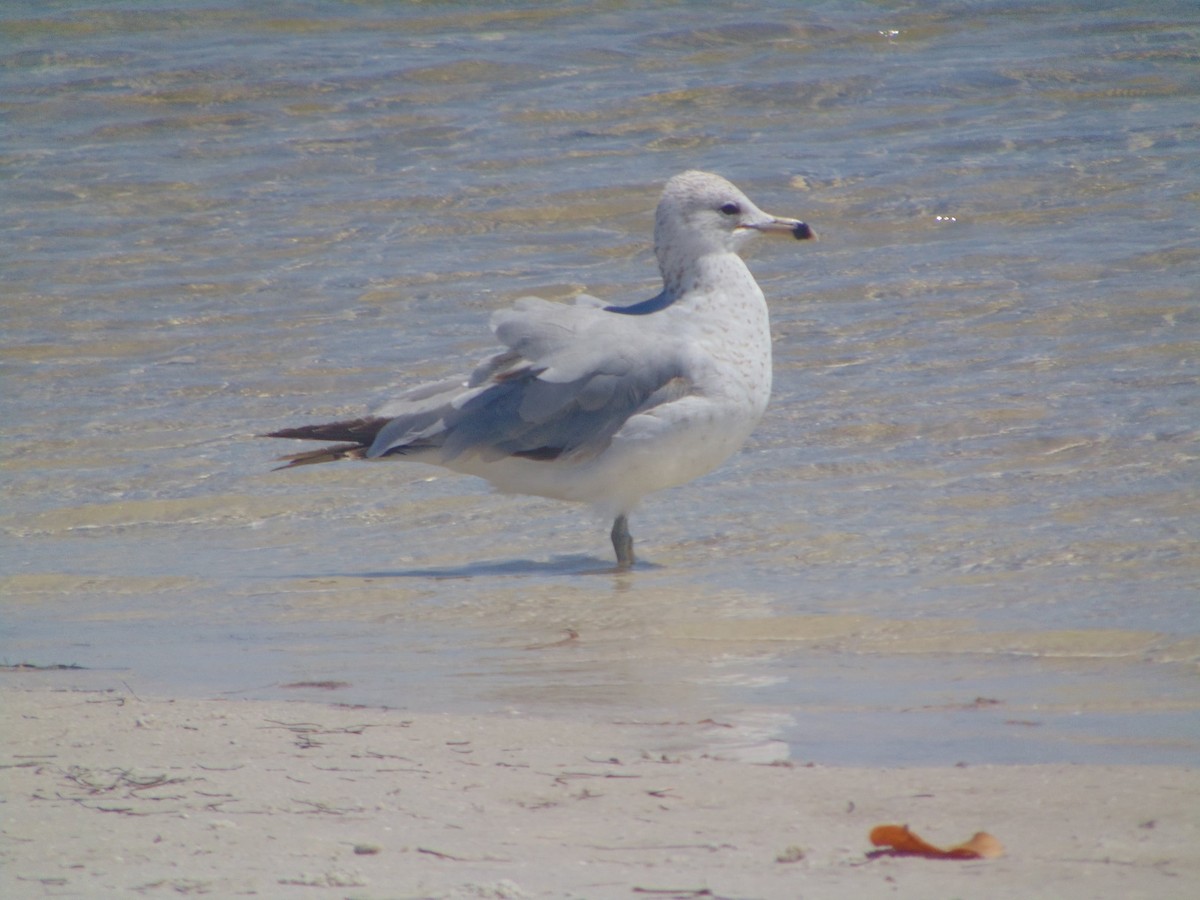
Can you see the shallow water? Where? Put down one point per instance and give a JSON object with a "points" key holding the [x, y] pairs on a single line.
{"points": [[966, 529]]}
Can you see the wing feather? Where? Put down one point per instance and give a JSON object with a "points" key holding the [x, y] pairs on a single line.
{"points": [[570, 377]]}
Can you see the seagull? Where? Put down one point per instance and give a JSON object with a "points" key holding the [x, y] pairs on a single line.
{"points": [[595, 403]]}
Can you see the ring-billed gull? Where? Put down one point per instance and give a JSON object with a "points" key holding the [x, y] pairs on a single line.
{"points": [[603, 404]]}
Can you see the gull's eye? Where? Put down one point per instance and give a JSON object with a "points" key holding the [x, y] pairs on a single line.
{"points": [[731, 209]]}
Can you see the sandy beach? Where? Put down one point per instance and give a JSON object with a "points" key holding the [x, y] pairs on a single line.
{"points": [[106, 793]]}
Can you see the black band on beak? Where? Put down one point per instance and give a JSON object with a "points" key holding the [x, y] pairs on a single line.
{"points": [[802, 232]]}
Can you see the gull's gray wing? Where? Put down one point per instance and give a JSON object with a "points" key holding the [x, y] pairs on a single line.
{"points": [[570, 377]]}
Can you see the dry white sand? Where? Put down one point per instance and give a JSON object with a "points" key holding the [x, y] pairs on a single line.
{"points": [[107, 794]]}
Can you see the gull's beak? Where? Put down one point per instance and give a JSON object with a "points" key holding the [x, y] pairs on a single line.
{"points": [[794, 227]]}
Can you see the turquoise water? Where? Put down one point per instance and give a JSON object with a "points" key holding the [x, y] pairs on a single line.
{"points": [[978, 477]]}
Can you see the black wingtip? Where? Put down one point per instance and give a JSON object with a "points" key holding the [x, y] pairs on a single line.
{"points": [[802, 232]]}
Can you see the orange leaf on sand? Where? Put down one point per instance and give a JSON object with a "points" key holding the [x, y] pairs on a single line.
{"points": [[899, 841]]}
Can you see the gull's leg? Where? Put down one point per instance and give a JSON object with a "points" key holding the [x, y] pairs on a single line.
{"points": [[622, 542]]}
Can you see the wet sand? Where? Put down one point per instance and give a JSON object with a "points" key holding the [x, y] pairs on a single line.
{"points": [[107, 793]]}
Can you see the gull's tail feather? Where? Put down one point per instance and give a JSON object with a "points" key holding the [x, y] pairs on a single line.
{"points": [[359, 433], [325, 454]]}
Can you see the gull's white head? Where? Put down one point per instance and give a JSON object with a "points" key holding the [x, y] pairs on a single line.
{"points": [[701, 213]]}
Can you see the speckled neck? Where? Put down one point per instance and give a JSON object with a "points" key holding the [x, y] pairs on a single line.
{"points": [[699, 275]]}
